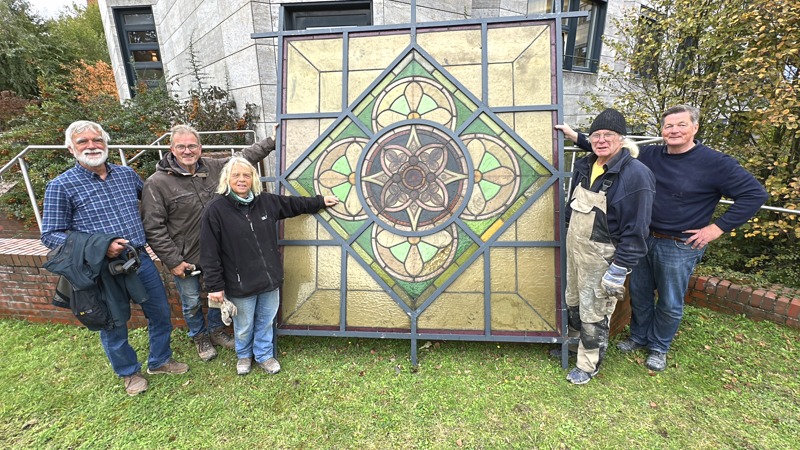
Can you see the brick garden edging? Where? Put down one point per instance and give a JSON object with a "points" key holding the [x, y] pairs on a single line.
{"points": [[26, 289], [778, 304]]}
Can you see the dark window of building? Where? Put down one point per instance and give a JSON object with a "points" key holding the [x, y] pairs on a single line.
{"points": [[306, 16], [581, 36], [139, 44]]}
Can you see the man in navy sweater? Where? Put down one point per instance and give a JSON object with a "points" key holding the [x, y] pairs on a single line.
{"points": [[690, 180]]}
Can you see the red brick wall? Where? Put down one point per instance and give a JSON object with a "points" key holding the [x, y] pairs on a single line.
{"points": [[777, 304], [13, 228], [26, 289]]}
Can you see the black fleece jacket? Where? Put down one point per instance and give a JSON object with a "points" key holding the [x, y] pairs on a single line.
{"points": [[239, 243]]}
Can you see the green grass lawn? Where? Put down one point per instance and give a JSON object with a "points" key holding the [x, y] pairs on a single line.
{"points": [[730, 383]]}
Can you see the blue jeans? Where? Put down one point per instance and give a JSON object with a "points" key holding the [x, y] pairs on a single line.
{"points": [[252, 325], [115, 341], [189, 290], [666, 269]]}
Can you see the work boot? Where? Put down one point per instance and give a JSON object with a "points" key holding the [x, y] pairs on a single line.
{"points": [[243, 366], [271, 366], [579, 376], [170, 367], [204, 347], [656, 361], [135, 384], [629, 345], [221, 338]]}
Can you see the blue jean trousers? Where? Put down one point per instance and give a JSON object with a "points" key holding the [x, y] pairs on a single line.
{"points": [[189, 291], [666, 269], [115, 341], [252, 325]]}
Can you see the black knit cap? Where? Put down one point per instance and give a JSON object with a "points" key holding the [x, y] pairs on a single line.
{"points": [[611, 120]]}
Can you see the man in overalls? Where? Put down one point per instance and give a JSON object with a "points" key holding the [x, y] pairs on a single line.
{"points": [[608, 219]]}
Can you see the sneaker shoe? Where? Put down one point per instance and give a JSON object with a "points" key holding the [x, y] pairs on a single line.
{"points": [[221, 338], [171, 367], [556, 353], [579, 376], [629, 345], [204, 347], [271, 366], [135, 384], [656, 361], [243, 366]]}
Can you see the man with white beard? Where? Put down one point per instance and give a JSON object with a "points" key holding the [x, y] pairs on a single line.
{"points": [[96, 197]]}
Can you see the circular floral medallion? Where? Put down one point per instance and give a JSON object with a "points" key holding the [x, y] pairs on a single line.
{"points": [[414, 98], [412, 258], [414, 178], [335, 175]]}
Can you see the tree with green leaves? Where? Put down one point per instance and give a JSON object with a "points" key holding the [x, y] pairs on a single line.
{"points": [[80, 31], [26, 51]]}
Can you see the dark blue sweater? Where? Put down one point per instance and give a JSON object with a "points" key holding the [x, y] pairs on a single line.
{"points": [[689, 186]]}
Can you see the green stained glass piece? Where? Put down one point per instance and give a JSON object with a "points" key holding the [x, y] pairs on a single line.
{"points": [[527, 175], [479, 127], [427, 251], [463, 112], [488, 163], [413, 69], [352, 130], [414, 290], [342, 166], [306, 178], [364, 241], [365, 116], [299, 188], [349, 226], [480, 226], [400, 251], [488, 189], [400, 106], [342, 191], [426, 104]]}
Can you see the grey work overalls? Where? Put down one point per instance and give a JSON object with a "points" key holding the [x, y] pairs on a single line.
{"points": [[589, 307]]}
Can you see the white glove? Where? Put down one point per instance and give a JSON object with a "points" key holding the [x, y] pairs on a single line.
{"points": [[228, 310], [613, 281]]}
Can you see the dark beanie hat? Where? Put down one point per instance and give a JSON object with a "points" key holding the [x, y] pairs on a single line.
{"points": [[610, 119]]}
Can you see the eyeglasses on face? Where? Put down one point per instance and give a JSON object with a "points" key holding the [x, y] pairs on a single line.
{"points": [[181, 147], [594, 137]]}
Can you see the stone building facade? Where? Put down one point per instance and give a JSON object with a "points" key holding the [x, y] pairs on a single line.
{"points": [[150, 39]]}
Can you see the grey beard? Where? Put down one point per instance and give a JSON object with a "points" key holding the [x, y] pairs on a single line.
{"points": [[92, 162]]}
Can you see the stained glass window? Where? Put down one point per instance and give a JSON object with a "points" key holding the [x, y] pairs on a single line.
{"points": [[440, 145]]}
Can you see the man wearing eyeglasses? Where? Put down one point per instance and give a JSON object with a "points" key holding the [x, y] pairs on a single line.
{"points": [[172, 203], [608, 215], [690, 180]]}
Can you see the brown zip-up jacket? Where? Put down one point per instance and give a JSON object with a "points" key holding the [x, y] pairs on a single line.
{"points": [[173, 201]]}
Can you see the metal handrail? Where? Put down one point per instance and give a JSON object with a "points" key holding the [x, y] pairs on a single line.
{"points": [[19, 159]]}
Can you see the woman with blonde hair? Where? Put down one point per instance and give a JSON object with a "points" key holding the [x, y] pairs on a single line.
{"points": [[240, 259]]}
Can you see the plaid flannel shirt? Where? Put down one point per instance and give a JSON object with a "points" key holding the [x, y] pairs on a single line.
{"points": [[79, 200]]}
